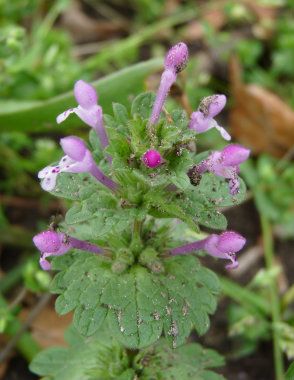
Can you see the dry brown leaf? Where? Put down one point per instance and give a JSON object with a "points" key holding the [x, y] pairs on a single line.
{"points": [[48, 328], [86, 29], [259, 118], [195, 29]]}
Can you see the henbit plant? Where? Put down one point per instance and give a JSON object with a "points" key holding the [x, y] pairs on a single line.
{"points": [[124, 266]]}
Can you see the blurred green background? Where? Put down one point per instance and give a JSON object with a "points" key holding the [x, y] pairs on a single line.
{"points": [[244, 49]]}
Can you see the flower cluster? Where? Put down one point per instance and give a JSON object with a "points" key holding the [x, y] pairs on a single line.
{"points": [[79, 159]]}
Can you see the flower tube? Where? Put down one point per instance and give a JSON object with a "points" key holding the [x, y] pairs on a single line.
{"points": [[52, 243]]}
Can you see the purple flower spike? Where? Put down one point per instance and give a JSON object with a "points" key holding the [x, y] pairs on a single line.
{"points": [[203, 119], [88, 110], [51, 243], [152, 158], [223, 246], [226, 164], [78, 159], [175, 61]]}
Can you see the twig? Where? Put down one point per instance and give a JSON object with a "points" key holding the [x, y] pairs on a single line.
{"points": [[18, 299]]}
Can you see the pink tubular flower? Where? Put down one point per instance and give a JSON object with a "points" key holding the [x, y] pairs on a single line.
{"points": [[226, 164], [78, 159], [51, 243], [223, 246], [203, 119], [175, 61], [87, 110], [152, 158]]}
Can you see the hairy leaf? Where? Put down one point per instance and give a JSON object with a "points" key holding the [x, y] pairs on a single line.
{"points": [[137, 304], [190, 362]]}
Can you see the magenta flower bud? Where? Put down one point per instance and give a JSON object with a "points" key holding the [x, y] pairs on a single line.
{"points": [[87, 110], [51, 243], [47, 241], [177, 57], [234, 155], [152, 158], [85, 94], [203, 119], [74, 147]]}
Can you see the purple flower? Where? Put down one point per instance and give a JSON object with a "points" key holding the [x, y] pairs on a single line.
{"points": [[203, 119], [77, 159], [51, 243], [223, 246], [226, 164], [175, 61], [152, 158], [88, 110]]}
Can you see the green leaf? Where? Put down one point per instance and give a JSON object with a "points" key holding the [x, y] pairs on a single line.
{"points": [[190, 362], [290, 372], [204, 202], [41, 116], [142, 105], [138, 304], [95, 358], [102, 358], [120, 113], [75, 186], [216, 190]]}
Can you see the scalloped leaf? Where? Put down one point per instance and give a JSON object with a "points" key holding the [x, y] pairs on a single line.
{"points": [[204, 202], [75, 186], [95, 358], [189, 362], [137, 304], [102, 358]]}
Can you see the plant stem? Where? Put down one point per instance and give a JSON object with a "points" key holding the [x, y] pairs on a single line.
{"points": [[274, 295], [136, 244]]}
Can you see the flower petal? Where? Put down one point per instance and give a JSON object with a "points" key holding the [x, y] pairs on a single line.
{"points": [[48, 183], [64, 115], [89, 116], [44, 264], [234, 154], [48, 241], [42, 173], [74, 147], [199, 122], [225, 135], [230, 241], [85, 94]]}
